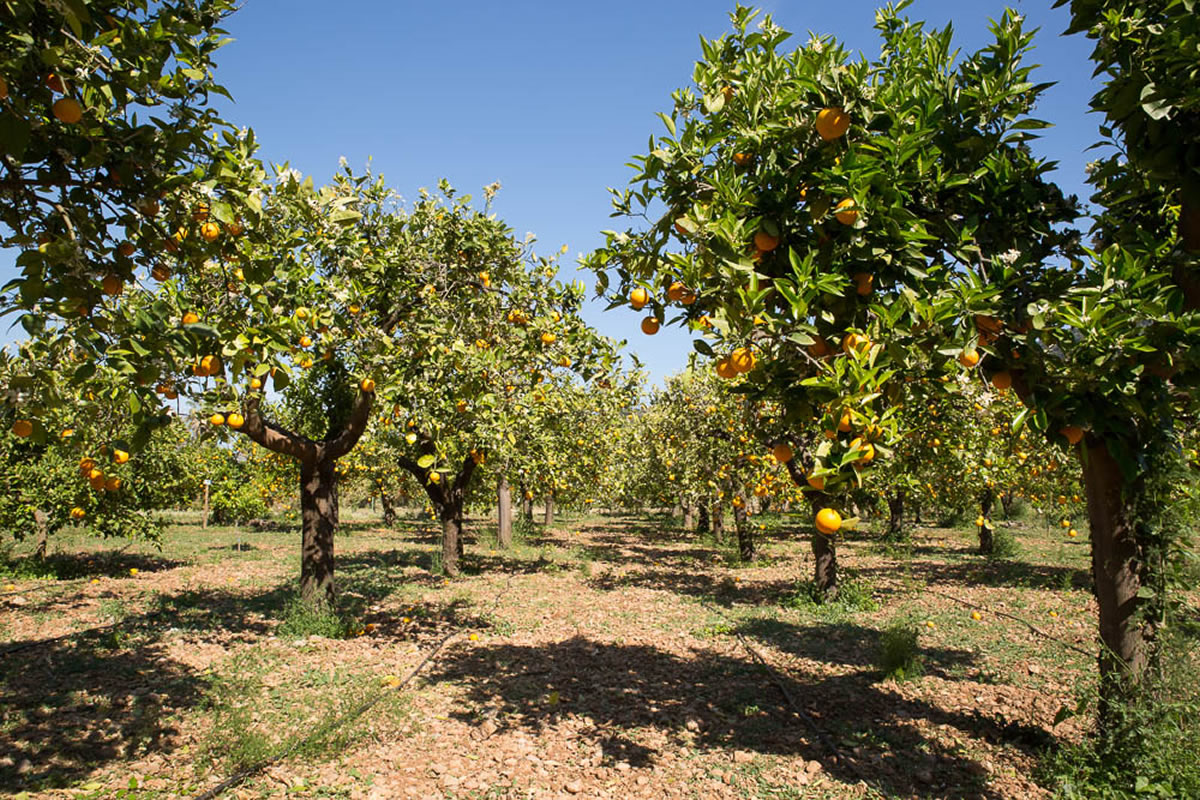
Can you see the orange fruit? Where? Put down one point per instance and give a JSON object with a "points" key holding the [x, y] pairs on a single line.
{"points": [[3, 89], [68, 110], [120, 456], [548, 338], [1073, 433], [200, 213], [112, 285], [742, 359], [817, 482], [828, 521], [782, 452], [864, 283], [844, 422], [235, 420], [210, 231], [846, 211], [975, 615], [217, 420], [1002, 380], [765, 242], [676, 291], [78, 513], [255, 384], [819, 348], [96, 478], [112, 484], [234, 228], [725, 368], [367, 385], [190, 318], [650, 326], [461, 406], [160, 272], [86, 465], [741, 159], [688, 297], [22, 428], [638, 298], [855, 343], [866, 448], [55, 83], [210, 365], [832, 123], [126, 249], [968, 358], [306, 341]]}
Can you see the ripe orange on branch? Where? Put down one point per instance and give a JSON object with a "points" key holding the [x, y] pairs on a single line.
{"points": [[638, 298], [828, 521], [832, 123], [650, 326]]}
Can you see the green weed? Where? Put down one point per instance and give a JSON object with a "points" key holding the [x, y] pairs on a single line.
{"points": [[899, 656]]}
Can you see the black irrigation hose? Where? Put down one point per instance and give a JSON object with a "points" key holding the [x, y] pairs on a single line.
{"points": [[349, 716]]}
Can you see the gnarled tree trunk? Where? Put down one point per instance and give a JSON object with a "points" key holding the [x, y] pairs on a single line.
{"points": [[1116, 573], [389, 508], [447, 496], [318, 489], [504, 514]]}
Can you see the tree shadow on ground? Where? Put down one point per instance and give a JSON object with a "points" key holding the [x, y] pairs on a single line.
{"points": [[72, 566], [991, 573], [712, 701]]}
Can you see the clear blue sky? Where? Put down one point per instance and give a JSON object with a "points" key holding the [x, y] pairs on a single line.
{"points": [[549, 97]]}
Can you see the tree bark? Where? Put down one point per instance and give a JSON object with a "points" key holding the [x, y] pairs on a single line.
{"points": [[718, 521], [703, 525], [548, 514], [447, 496], [1116, 574], [389, 508], [504, 514], [744, 536], [527, 508], [987, 535], [895, 529], [1006, 502], [319, 515], [318, 489], [42, 523], [688, 517], [825, 572]]}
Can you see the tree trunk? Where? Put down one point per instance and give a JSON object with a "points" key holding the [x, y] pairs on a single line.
{"points": [[451, 515], [389, 508], [676, 511], [718, 521], [527, 508], [318, 519], [42, 523], [744, 536], [1116, 575], [504, 514], [987, 535], [548, 516], [825, 573], [703, 525], [688, 517], [895, 529], [1006, 502]]}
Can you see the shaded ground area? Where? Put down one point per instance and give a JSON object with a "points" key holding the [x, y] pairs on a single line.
{"points": [[604, 657]]}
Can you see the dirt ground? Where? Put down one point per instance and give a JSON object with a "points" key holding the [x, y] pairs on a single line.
{"points": [[606, 657]]}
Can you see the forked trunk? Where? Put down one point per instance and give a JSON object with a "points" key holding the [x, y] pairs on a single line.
{"points": [[504, 514], [987, 536], [318, 519], [1116, 574], [745, 539]]}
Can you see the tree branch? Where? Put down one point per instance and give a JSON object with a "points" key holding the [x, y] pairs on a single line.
{"points": [[275, 438], [353, 430]]}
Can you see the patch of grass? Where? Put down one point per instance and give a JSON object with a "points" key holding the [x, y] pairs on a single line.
{"points": [[300, 620], [1004, 545], [1152, 741], [899, 656], [853, 594]]}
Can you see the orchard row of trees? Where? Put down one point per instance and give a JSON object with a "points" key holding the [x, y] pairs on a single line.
{"points": [[861, 243]]}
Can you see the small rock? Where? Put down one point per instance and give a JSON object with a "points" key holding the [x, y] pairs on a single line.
{"points": [[813, 767], [623, 766], [692, 725], [742, 757], [1034, 669], [25, 766], [437, 769], [18, 601], [574, 787]]}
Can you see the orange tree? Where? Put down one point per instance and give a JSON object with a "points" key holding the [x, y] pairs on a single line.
{"points": [[83, 470], [464, 357], [103, 122], [1105, 356], [810, 214]]}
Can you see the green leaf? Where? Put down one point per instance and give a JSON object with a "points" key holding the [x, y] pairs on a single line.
{"points": [[426, 461]]}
